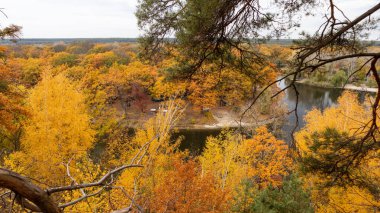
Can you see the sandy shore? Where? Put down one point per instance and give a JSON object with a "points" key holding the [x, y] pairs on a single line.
{"points": [[346, 87], [225, 119], [364, 89]]}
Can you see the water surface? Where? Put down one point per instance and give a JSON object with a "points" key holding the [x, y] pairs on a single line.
{"points": [[309, 97]]}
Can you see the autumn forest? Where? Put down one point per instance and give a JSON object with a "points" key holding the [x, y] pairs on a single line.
{"points": [[209, 110]]}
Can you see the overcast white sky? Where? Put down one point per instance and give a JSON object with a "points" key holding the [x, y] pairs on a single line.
{"points": [[103, 18]]}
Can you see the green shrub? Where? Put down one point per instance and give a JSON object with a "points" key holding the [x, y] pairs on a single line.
{"points": [[245, 195], [291, 197], [339, 78], [319, 76], [371, 82]]}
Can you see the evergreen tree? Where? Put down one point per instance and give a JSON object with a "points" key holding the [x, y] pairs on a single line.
{"points": [[291, 197]]}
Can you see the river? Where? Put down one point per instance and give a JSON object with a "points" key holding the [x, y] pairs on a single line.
{"points": [[309, 97]]}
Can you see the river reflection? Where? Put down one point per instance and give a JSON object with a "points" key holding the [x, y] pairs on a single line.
{"points": [[194, 140], [309, 97]]}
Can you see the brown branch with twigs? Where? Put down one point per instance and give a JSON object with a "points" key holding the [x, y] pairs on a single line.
{"points": [[100, 182]]}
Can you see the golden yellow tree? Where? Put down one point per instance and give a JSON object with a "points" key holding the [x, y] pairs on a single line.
{"points": [[150, 147], [325, 144], [220, 159], [58, 131]]}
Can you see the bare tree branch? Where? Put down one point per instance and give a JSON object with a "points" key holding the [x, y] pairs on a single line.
{"points": [[100, 182]]}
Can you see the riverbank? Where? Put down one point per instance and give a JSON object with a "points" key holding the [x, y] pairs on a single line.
{"points": [[352, 87], [219, 118], [215, 118], [225, 119]]}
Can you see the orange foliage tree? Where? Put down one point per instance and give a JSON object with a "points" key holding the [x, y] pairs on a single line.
{"points": [[12, 109]]}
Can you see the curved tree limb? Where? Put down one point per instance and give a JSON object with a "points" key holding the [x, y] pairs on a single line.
{"points": [[25, 189], [100, 182]]}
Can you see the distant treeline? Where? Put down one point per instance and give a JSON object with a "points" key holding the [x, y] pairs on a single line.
{"points": [[66, 40], [111, 40]]}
